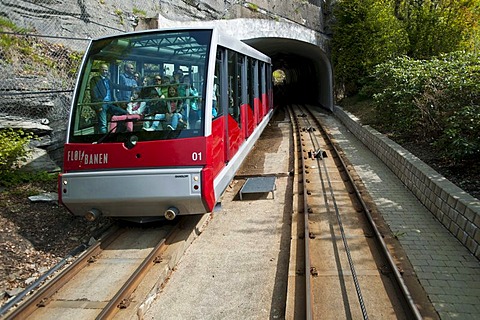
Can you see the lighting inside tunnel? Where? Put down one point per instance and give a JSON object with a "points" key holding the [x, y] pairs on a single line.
{"points": [[279, 77], [307, 73]]}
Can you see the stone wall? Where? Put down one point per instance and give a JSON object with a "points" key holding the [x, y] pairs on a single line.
{"points": [[95, 18]]}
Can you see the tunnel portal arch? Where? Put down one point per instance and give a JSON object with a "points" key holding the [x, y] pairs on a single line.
{"points": [[300, 52]]}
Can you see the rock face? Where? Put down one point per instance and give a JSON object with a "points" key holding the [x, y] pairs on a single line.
{"points": [[37, 91], [95, 18]]}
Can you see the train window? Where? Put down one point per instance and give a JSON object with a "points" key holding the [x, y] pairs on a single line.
{"points": [[269, 85], [163, 92], [217, 110], [234, 85], [259, 84], [252, 67], [243, 90], [262, 85]]}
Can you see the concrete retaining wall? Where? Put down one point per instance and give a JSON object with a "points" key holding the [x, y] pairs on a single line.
{"points": [[458, 211]]}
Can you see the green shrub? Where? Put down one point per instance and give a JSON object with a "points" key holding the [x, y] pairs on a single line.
{"points": [[369, 32], [461, 138], [35, 55], [18, 177], [394, 86], [430, 100], [139, 12], [12, 152]]}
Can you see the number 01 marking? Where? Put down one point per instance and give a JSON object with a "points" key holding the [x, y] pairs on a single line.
{"points": [[196, 156]]}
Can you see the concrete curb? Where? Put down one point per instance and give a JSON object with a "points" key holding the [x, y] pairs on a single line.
{"points": [[457, 210]]}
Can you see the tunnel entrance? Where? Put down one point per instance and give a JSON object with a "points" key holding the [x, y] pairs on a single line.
{"points": [[299, 51], [308, 72]]}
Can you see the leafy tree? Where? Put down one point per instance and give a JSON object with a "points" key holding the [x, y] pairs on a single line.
{"points": [[438, 26], [433, 100], [366, 33], [461, 139], [370, 32], [422, 62]]}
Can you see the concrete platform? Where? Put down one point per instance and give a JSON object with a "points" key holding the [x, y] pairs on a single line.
{"points": [[237, 268]]}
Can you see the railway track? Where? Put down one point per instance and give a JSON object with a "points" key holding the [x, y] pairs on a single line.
{"points": [[340, 267], [100, 283]]}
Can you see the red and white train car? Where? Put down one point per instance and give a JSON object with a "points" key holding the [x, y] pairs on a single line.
{"points": [[139, 165]]}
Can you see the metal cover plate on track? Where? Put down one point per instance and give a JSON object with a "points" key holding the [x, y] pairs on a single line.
{"points": [[258, 185]]}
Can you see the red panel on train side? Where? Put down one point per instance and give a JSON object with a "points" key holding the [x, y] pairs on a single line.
{"points": [[235, 136], [217, 145], [264, 104], [243, 119], [257, 103], [208, 192], [158, 153], [208, 172], [251, 121], [269, 100]]}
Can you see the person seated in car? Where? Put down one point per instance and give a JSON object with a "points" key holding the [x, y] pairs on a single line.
{"points": [[190, 101], [138, 103], [127, 80], [135, 110], [168, 110]]}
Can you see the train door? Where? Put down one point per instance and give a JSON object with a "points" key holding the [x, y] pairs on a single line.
{"points": [[262, 89], [269, 86], [233, 125], [243, 93], [251, 116], [219, 121], [256, 91]]}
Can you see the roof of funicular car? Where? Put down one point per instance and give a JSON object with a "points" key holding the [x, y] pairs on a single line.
{"points": [[238, 45], [218, 38]]}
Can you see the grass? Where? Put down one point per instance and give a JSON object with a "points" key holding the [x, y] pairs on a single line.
{"points": [[19, 177]]}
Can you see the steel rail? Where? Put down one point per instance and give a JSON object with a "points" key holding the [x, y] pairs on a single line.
{"points": [[414, 313], [43, 295], [308, 287], [337, 215], [122, 297]]}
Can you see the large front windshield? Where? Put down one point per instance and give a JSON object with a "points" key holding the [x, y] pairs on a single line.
{"points": [[150, 84]]}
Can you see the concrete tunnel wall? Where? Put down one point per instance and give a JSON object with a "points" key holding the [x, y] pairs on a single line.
{"points": [[300, 52]]}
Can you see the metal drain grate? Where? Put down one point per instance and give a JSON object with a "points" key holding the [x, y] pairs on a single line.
{"points": [[258, 185]]}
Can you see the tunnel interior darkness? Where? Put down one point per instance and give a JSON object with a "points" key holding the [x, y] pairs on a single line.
{"points": [[307, 69]]}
